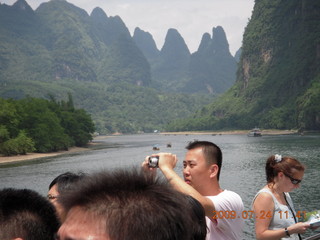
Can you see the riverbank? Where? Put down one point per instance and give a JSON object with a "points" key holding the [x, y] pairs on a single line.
{"points": [[235, 132], [95, 144], [34, 156]]}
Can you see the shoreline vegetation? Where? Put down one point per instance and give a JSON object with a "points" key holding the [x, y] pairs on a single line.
{"points": [[94, 145], [233, 132]]}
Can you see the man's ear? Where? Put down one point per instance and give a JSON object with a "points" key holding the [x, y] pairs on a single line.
{"points": [[214, 169]]}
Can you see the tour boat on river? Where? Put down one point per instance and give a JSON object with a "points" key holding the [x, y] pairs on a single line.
{"points": [[255, 132]]}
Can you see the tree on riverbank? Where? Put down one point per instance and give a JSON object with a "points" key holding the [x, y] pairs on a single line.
{"points": [[40, 125]]}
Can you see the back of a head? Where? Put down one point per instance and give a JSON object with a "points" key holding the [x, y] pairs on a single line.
{"points": [[65, 181], [198, 215], [26, 214], [134, 205]]}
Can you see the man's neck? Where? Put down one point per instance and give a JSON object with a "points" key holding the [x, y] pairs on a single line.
{"points": [[211, 189]]}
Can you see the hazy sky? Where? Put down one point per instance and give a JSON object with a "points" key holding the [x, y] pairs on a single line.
{"points": [[192, 18]]}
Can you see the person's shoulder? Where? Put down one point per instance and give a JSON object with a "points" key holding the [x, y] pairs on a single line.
{"points": [[229, 193], [263, 197], [264, 193], [231, 198], [264, 201], [226, 195]]}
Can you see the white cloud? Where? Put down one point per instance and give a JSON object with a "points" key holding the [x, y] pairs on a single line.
{"points": [[190, 17]]}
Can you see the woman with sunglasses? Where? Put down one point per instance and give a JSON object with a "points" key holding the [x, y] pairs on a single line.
{"points": [[274, 214]]}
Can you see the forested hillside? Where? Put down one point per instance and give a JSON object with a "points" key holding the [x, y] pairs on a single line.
{"points": [[60, 49], [40, 125], [278, 79]]}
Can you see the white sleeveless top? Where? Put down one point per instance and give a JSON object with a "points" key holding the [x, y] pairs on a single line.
{"points": [[282, 215]]}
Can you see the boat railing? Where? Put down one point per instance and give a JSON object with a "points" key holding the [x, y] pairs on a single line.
{"points": [[314, 237]]}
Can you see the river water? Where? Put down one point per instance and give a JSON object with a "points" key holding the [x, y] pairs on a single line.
{"points": [[242, 171]]}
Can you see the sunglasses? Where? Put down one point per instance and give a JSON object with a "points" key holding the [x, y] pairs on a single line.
{"points": [[51, 197], [293, 180]]}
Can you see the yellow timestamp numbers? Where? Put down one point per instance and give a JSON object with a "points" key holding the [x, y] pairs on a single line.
{"points": [[250, 214]]}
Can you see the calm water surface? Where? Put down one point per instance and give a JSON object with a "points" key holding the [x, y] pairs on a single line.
{"points": [[243, 164]]}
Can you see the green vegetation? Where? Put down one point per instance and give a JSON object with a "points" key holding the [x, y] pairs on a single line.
{"points": [[118, 107], [278, 74], [40, 125], [60, 49]]}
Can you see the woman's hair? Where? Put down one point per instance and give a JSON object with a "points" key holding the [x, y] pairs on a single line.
{"points": [[277, 163]]}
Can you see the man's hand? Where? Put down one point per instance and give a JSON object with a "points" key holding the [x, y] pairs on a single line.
{"points": [[167, 160], [146, 168], [167, 163]]}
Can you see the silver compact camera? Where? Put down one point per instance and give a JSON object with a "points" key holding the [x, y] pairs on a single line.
{"points": [[153, 161]]}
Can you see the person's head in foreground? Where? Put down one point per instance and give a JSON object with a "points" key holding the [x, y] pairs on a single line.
{"points": [[125, 204], [199, 228], [26, 215], [60, 184]]}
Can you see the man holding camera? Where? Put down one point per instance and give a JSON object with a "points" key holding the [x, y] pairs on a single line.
{"points": [[201, 174]]}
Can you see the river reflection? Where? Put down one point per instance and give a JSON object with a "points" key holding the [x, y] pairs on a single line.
{"points": [[243, 163]]}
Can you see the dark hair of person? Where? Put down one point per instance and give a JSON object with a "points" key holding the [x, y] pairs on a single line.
{"points": [[285, 165], [26, 214], [211, 151], [133, 205], [199, 227], [66, 180]]}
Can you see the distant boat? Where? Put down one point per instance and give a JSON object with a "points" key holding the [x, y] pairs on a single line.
{"points": [[255, 132], [156, 147]]}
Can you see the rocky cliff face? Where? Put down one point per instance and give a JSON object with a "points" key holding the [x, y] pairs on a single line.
{"points": [[278, 79], [22, 5], [107, 29], [170, 68], [283, 52], [60, 49], [60, 41], [145, 42], [212, 67], [210, 70]]}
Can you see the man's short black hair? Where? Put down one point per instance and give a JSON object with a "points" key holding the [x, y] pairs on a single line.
{"points": [[133, 204], [211, 151], [26, 214], [65, 180]]}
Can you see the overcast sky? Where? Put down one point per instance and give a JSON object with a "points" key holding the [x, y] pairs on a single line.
{"points": [[192, 18]]}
